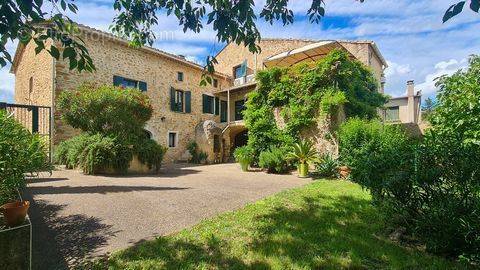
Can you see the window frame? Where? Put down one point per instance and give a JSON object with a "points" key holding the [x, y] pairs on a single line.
{"points": [[393, 108], [235, 68], [180, 76], [180, 94], [215, 83], [212, 104], [175, 142], [135, 82]]}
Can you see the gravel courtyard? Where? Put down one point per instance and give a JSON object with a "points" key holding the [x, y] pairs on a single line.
{"points": [[76, 216]]}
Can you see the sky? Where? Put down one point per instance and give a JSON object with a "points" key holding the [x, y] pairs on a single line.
{"points": [[409, 34]]}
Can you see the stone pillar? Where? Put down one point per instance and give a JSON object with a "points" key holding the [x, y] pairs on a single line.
{"points": [[411, 101]]}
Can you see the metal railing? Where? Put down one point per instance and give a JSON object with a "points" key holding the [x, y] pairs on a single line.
{"points": [[37, 119]]}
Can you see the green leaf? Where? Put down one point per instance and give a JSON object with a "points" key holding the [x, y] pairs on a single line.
{"points": [[453, 11], [69, 52], [475, 5], [54, 52]]}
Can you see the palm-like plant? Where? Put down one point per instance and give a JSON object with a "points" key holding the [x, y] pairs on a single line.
{"points": [[305, 153]]}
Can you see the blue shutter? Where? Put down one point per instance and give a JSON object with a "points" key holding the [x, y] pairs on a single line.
{"points": [[117, 80], [142, 86], [172, 99], [244, 68], [217, 106], [188, 102]]}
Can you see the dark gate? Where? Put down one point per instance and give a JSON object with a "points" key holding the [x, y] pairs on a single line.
{"points": [[37, 119]]}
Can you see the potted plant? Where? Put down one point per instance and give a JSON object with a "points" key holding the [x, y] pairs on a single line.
{"points": [[244, 156], [15, 212], [305, 153]]}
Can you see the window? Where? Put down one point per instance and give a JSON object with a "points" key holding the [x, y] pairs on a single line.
{"points": [[223, 111], [30, 85], [239, 107], [215, 83], [172, 139], [392, 114], [180, 76], [208, 104], [180, 101], [238, 72], [129, 83]]}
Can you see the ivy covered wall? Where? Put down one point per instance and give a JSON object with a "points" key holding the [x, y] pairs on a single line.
{"points": [[304, 100]]}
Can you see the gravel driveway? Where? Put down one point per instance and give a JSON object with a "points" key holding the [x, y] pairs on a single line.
{"points": [[77, 216]]}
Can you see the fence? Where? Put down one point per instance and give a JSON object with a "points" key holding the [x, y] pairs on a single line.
{"points": [[37, 119]]}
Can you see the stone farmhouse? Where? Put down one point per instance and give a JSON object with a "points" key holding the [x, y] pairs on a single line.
{"points": [[184, 111]]}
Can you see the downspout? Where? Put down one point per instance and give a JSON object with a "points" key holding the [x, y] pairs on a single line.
{"points": [[52, 110]]}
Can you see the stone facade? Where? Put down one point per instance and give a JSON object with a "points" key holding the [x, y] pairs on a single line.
{"points": [[113, 57], [233, 55]]}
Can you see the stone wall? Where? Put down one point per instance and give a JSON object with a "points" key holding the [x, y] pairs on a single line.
{"points": [[33, 77], [112, 57], [233, 55]]}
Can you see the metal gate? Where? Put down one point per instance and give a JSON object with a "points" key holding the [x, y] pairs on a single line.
{"points": [[37, 119]]}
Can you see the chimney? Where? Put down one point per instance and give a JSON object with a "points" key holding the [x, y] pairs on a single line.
{"points": [[411, 101], [410, 88]]}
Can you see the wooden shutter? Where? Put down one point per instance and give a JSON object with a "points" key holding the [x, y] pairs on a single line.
{"points": [[188, 101], [142, 86], [117, 80], [217, 106], [172, 99], [204, 104]]}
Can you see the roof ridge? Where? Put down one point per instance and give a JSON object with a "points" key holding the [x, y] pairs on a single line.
{"points": [[149, 47]]}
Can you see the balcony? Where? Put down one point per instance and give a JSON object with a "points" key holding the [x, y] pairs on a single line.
{"points": [[244, 80]]}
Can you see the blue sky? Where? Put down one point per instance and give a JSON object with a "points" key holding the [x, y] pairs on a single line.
{"points": [[409, 33]]}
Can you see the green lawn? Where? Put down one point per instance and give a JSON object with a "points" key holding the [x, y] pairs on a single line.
{"points": [[324, 225]]}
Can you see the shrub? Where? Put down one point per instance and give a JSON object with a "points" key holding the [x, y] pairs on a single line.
{"points": [[112, 121], [379, 156], [150, 153], [69, 152], [197, 156], [103, 153], [327, 166], [274, 160], [21, 152], [106, 110], [306, 92]]}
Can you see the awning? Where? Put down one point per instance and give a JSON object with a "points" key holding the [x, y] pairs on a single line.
{"points": [[311, 52]]}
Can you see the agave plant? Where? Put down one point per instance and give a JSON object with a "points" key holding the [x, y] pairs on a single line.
{"points": [[305, 153]]}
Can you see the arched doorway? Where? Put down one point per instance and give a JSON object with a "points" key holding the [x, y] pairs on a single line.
{"points": [[241, 139]]}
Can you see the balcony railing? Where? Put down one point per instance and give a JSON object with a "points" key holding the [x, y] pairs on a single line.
{"points": [[244, 80]]}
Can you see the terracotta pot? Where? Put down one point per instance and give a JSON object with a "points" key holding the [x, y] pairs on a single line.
{"points": [[15, 212], [344, 171]]}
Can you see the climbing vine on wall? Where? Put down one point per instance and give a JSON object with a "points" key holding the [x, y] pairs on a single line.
{"points": [[305, 92]]}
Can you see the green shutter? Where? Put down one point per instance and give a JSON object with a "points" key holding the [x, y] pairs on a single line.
{"points": [[188, 98], [217, 106], [172, 99], [142, 86], [204, 104], [117, 80]]}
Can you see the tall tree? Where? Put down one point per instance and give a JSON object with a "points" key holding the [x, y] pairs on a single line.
{"points": [[232, 20]]}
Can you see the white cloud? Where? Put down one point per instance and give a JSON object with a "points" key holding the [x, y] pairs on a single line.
{"points": [[7, 85], [442, 68], [397, 69]]}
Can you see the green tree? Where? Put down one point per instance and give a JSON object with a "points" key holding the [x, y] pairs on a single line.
{"points": [[458, 107], [427, 108], [233, 21]]}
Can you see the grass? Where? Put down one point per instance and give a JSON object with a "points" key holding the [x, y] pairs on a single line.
{"points": [[324, 225]]}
